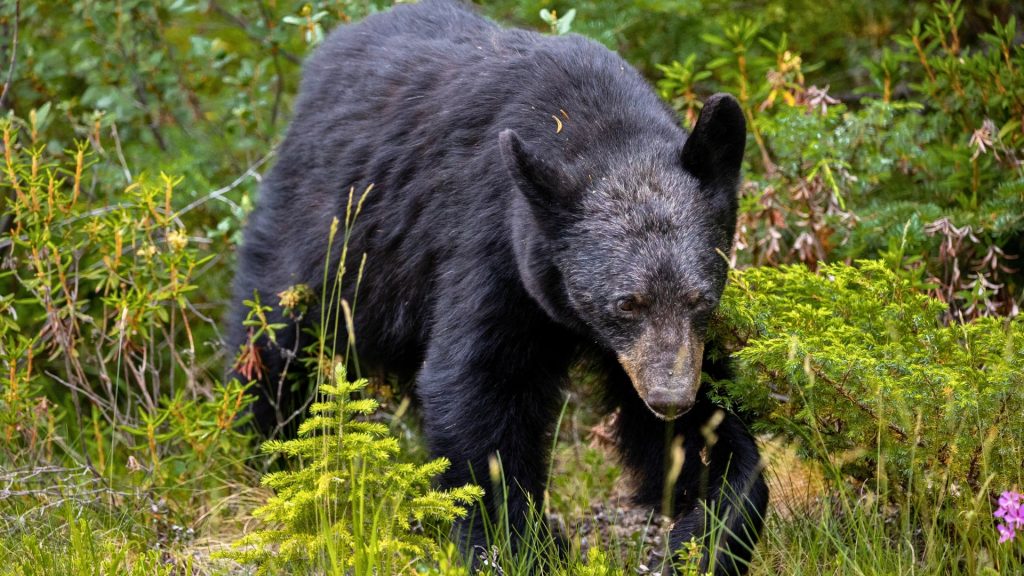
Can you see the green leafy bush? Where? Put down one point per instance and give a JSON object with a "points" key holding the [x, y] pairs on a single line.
{"points": [[107, 400], [854, 363], [350, 507], [652, 32], [933, 162], [102, 308]]}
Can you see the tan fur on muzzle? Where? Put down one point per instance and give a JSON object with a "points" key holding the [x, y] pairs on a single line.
{"points": [[664, 366]]}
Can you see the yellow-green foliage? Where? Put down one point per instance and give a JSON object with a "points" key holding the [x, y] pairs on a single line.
{"points": [[597, 564], [350, 506], [86, 552], [854, 361], [103, 340]]}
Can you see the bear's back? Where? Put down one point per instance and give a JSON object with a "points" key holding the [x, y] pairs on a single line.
{"points": [[411, 101], [442, 51], [445, 20], [433, 34]]}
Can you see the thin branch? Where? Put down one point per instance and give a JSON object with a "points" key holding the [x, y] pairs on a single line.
{"points": [[120, 154], [842, 391], [14, 53], [216, 194], [244, 26], [222, 191], [7, 221], [278, 90], [278, 71], [100, 403]]}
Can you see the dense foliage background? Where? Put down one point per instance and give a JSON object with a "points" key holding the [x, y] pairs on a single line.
{"points": [[874, 312]]}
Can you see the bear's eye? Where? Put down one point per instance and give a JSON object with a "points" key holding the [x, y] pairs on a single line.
{"points": [[629, 304], [693, 298]]}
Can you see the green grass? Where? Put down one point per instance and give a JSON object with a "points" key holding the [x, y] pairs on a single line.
{"points": [[815, 526]]}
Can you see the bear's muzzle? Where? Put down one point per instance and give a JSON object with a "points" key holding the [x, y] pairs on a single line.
{"points": [[664, 366]]}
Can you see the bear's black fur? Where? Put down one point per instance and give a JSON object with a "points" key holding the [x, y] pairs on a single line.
{"points": [[533, 200]]}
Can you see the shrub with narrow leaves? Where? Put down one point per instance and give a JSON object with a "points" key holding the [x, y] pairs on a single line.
{"points": [[936, 153], [852, 361], [102, 334], [350, 506]]}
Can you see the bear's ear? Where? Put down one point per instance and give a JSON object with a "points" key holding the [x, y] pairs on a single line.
{"points": [[543, 184], [714, 150]]}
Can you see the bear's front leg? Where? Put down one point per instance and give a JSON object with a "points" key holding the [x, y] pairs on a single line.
{"points": [[730, 492], [491, 388], [719, 497]]}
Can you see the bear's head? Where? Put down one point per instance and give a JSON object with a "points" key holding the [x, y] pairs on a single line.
{"points": [[635, 255]]}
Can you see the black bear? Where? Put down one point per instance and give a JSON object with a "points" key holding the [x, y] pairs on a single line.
{"points": [[533, 200]]}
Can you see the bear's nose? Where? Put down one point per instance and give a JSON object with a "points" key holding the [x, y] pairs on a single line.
{"points": [[668, 403]]}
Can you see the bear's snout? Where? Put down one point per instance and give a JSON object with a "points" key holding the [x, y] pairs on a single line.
{"points": [[668, 404], [664, 366]]}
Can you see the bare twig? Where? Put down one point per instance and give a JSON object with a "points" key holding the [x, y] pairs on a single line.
{"points": [[14, 54], [101, 403], [244, 26], [132, 57], [53, 486], [195, 204], [278, 90], [216, 194], [222, 191], [120, 154], [8, 219], [278, 71]]}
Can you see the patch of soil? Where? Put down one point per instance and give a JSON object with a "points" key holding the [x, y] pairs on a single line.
{"points": [[634, 532]]}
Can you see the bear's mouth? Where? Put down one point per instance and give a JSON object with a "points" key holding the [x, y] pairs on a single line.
{"points": [[669, 416]]}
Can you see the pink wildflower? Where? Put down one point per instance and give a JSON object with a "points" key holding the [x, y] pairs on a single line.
{"points": [[1005, 533], [1011, 512]]}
